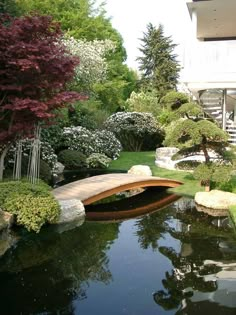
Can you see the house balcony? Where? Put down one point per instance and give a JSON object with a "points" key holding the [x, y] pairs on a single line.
{"points": [[209, 65]]}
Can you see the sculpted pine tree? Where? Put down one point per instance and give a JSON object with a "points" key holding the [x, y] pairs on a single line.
{"points": [[35, 69], [158, 65], [191, 133]]}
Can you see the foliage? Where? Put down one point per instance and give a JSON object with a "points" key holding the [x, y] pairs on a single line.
{"points": [[134, 129], [8, 7], [187, 165], [194, 136], [7, 188], [86, 21], [88, 142], [143, 102], [88, 114], [35, 69], [45, 172], [32, 212], [158, 65], [98, 160], [33, 205], [72, 159], [93, 65], [47, 153], [216, 174], [173, 100]]}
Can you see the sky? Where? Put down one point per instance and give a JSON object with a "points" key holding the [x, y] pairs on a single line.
{"points": [[130, 18]]}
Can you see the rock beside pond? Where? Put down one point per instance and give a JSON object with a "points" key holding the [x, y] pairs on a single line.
{"points": [[6, 220], [140, 170], [216, 199], [71, 210]]}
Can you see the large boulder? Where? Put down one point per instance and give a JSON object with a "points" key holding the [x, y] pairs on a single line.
{"points": [[216, 199], [72, 215], [140, 170]]}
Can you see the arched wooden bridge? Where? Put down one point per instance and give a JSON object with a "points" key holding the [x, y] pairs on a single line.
{"points": [[95, 188]]}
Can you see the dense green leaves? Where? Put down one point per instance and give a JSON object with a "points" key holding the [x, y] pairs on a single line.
{"points": [[158, 65]]}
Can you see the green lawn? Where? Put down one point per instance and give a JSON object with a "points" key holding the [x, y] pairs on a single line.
{"points": [[128, 159]]}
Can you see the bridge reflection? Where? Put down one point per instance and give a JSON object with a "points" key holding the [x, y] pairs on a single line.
{"points": [[151, 200]]}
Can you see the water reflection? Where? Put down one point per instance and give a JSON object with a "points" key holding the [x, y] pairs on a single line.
{"points": [[194, 280], [173, 261], [47, 272]]}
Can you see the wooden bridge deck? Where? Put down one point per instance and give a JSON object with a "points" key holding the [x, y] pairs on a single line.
{"points": [[94, 188]]}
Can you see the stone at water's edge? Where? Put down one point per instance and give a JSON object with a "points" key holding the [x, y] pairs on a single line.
{"points": [[140, 170], [6, 238], [216, 199], [71, 210], [72, 215]]}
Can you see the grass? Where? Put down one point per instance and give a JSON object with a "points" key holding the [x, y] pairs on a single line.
{"points": [[128, 159]]}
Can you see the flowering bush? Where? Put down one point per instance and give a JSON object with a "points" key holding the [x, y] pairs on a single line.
{"points": [[83, 140], [135, 130], [93, 65], [47, 153], [98, 160]]}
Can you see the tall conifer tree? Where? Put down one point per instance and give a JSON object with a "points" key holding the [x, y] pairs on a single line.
{"points": [[158, 64]]}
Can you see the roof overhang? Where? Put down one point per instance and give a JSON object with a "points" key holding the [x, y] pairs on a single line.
{"points": [[215, 18]]}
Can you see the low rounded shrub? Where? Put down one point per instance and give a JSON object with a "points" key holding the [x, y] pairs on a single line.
{"points": [[98, 160], [136, 131], [32, 212], [33, 205], [72, 159]]}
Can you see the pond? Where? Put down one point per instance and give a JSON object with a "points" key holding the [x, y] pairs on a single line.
{"points": [[172, 261]]}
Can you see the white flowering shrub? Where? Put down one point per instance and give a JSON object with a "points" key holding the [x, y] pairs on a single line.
{"points": [[93, 64], [135, 130], [47, 153], [98, 160], [83, 140]]}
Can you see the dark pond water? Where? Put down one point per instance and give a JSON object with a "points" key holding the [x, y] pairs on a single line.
{"points": [[173, 261]]}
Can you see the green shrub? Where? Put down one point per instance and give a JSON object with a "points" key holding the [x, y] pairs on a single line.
{"points": [[33, 205], [72, 159], [8, 188], [45, 172], [136, 131], [98, 160], [32, 212], [187, 165]]}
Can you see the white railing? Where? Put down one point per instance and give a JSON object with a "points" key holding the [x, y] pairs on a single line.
{"points": [[213, 61]]}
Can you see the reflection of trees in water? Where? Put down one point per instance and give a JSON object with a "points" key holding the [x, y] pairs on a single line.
{"points": [[51, 270], [199, 240]]}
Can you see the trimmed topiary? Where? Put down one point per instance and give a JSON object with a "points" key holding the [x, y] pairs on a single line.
{"points": [[72, 159]]}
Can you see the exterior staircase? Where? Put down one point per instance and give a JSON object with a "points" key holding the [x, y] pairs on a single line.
{"points": [[211, 101]]}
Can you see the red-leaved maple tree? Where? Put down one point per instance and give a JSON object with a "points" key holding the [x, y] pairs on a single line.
{"points": [[34, 70]]}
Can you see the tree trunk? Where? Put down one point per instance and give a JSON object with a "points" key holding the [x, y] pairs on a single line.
{"points": [[206, 155], [2, 158]]}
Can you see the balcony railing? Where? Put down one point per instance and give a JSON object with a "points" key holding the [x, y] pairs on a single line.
{"points": [[210, 61]]}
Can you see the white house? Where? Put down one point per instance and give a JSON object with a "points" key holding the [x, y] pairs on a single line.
{"points": [[210, 59]]}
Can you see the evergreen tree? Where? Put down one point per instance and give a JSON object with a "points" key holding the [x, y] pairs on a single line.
{"points": [[158, 65]]}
